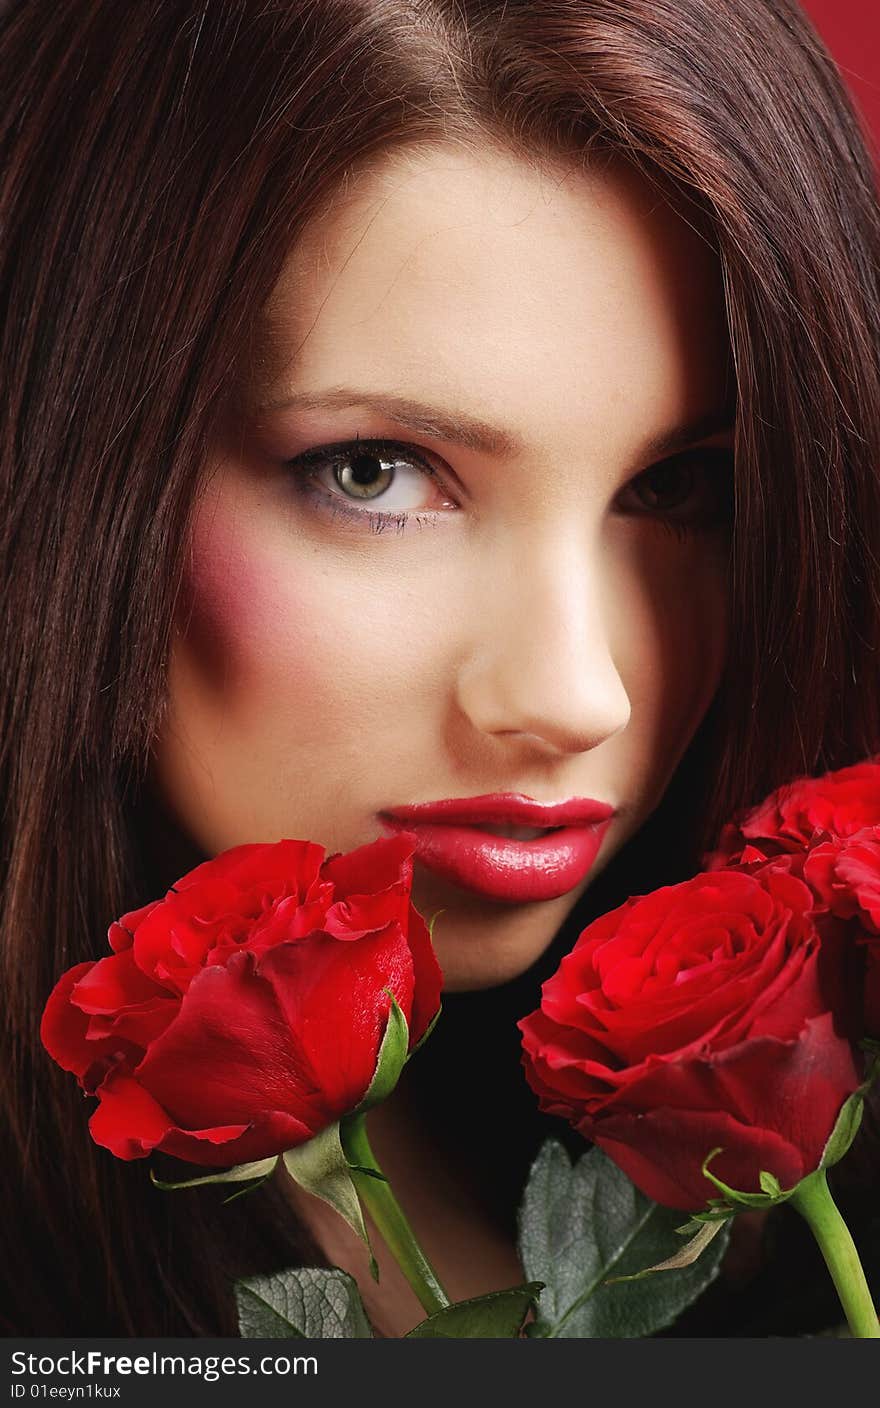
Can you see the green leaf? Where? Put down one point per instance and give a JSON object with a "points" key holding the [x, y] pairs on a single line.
{"points": [[845, 1129], [770, 1184], [496, 1316], [391, 1058], [846, 1126], [304, 1303], [581, 1224], [320, 1166], [261, 1170]]}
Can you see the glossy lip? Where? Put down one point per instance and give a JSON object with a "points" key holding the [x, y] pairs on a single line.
{"points": [[506, 808], [499, 867]]}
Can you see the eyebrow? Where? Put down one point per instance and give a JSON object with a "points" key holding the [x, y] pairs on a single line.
{"points": [[471, 432]]}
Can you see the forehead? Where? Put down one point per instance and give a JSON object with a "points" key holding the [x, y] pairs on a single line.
{"points": [[476, 274]]}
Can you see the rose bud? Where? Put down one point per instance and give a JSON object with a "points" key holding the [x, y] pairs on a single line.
{"points": [[244, 1012], [704, 1015]]}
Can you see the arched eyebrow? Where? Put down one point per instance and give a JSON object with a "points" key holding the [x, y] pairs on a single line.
{"points": [[471, 432]]}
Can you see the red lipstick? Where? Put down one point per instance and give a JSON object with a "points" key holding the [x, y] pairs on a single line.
{"points": [[452, 841]]}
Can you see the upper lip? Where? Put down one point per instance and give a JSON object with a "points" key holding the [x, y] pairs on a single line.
{"points": [[507, 808]]}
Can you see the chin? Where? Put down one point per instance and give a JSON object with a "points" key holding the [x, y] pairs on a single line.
{"points": [[473, 972], [482, 944]]}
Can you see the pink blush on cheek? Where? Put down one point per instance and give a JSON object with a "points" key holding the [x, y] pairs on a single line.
{"points": [[281, 648], [239, 612]]}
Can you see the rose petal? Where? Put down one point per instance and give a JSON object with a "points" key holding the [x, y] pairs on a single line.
{"points": [[230, 1056], [131, 1124], [332, 995], [140, 1024], [272, 1133], [359, 915], [64, 1032], [283, 867], [121, 932], [373, 867], [666, 1161], [787, 1094], [116, 982], [428, 977]]}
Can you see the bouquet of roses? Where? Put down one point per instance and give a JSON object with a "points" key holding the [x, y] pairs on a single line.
{"points": [[714, 1040]]}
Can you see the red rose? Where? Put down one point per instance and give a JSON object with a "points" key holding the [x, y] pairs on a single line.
{"points": [[802, 813], [702, 1015], [844, 875], [243, 1013]]}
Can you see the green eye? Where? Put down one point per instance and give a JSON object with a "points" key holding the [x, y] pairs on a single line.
{"points": [[345, 479], [364, 474]]}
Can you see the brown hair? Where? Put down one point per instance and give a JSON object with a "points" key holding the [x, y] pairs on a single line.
{"points": [[156, 163]]}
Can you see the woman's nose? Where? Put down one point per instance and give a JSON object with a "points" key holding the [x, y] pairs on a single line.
{"points": [[539, 663]]}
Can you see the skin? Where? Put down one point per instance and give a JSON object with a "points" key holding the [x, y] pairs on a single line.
{"points": [[540, 628]]}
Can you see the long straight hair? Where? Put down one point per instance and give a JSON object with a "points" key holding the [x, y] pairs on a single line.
{"points": [[157, 163]]}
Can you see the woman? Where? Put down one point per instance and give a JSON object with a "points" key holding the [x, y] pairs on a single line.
{"points": [[615, 242]]}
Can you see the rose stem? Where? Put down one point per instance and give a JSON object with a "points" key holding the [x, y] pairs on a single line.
{"points": [[814, 1202], [376, 1194]]}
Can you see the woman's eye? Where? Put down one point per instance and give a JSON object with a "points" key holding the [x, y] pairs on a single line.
{"points": [[383, 483], [692, 490], [365, 475]]}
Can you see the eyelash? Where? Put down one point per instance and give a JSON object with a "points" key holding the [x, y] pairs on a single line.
{"points": [[336, 505]]}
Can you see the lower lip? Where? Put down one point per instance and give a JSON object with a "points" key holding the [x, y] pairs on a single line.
{"points": [[504, 869]]}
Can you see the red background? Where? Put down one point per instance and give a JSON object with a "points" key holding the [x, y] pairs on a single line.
{"points": [[851, 31]]}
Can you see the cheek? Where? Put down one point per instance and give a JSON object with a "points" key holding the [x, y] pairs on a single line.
{"points": [[279, 642]]}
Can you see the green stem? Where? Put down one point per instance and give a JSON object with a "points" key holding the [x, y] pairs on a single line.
{"points": [[386, 1212], [814, 1202]]}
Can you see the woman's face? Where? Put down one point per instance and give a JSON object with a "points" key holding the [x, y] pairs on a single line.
{"points": [[522, 591]]}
